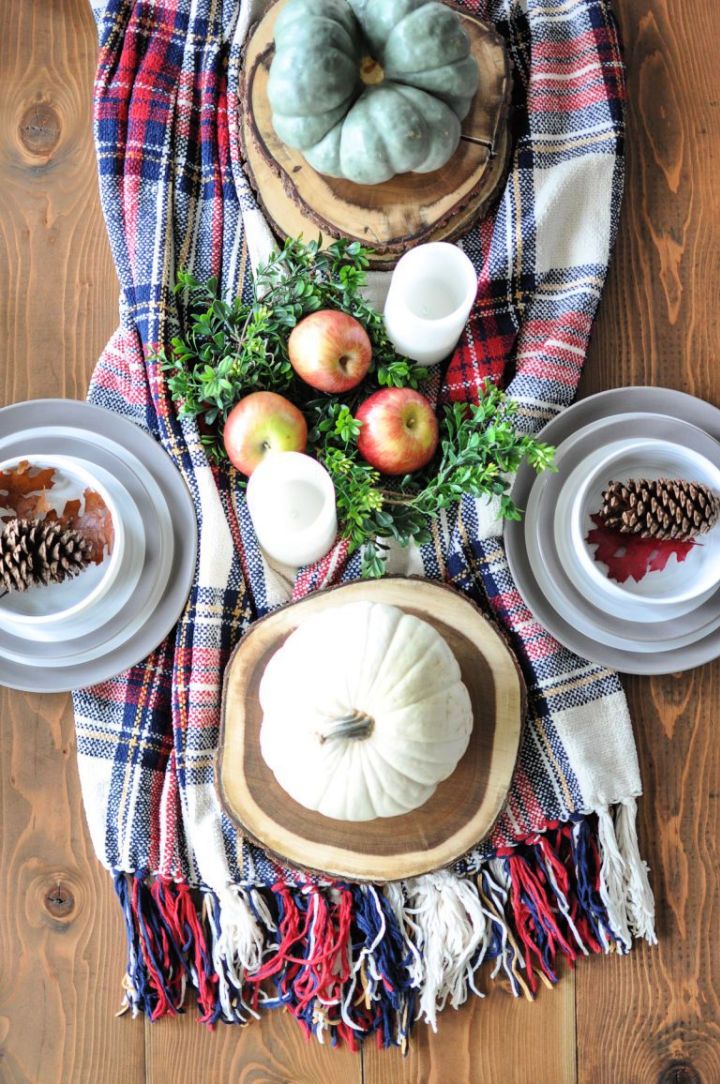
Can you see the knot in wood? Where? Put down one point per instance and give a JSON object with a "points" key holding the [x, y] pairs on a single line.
{"points": [[59, 900], [679, 1072], [40, 129]]}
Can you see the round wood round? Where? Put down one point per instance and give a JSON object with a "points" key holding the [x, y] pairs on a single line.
{"points": [[464, 807], [409, 209]]}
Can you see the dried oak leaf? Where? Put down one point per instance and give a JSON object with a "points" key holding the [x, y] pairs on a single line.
{"points": [[94, 523], [23, 494], [629, 556], [22, 490]]}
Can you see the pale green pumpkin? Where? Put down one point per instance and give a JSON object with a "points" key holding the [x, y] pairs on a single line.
{"points": [[370, 88]]}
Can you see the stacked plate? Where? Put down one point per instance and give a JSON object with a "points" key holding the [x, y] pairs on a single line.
{"points": [[667, 620], [85, 630]]}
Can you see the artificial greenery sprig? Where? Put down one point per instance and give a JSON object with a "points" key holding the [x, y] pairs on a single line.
{"points": [[480, 449], [233, 348]]}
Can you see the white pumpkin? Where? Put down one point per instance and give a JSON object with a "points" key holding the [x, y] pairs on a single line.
{"points": [[364, 712]]}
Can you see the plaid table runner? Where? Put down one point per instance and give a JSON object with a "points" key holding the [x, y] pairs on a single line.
{"points": [[562, 875]]}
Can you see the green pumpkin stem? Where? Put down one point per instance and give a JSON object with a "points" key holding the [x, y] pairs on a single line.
{"points": [[358, 725], [371, 72]]}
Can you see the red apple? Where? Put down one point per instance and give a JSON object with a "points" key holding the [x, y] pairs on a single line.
{"points": [[260, 423], [399, 432], [330, 351]]}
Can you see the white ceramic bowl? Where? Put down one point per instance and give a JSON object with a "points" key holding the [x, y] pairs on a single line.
{"points": [[581, 496], [564, 605], [58, 605], [101, 628]]}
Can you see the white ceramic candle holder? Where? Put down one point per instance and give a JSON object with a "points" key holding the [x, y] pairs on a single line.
{"points": [[291, 500], [431, 293]]}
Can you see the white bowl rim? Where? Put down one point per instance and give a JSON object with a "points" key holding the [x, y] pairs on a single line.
{"points": [[78, 467], [617, 591]]}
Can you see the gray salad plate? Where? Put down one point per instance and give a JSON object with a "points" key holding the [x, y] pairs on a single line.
{"points": [[74, 428], [597, 408]]}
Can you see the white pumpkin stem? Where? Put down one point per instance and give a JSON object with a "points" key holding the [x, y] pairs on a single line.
{"points": [[358, 725]]}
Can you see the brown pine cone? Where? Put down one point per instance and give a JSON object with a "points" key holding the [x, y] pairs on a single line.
{"points": [[36, 552], [663, 508]]}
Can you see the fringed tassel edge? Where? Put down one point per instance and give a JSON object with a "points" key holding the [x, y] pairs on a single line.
{"points": [[349, 961]]}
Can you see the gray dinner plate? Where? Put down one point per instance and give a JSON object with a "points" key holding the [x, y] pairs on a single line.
{"points": [[74, 428], [665, 401]]}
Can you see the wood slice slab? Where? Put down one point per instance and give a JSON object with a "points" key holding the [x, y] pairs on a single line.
{"points": [[402, 212], [463, 808]]}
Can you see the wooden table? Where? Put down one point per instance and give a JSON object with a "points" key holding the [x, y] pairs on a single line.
{"points": [[654, 1017]]}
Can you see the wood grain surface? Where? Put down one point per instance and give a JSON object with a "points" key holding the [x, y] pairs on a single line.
{"points": [[653, 1018]]}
